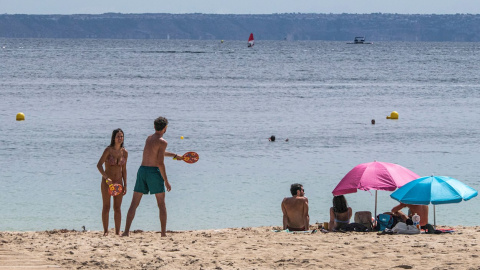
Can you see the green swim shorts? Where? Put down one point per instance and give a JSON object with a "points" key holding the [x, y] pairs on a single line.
{"points": [[150, 180]]}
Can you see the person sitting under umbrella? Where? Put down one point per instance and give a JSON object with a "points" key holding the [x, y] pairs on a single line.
{"points": [[421, 210], [340, 213], [295, 210]]}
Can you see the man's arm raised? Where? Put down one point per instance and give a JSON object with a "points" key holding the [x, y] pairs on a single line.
{"points": [[398, 208]]}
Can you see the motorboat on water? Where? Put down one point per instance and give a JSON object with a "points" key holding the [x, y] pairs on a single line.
{"points": [[359, 40]]}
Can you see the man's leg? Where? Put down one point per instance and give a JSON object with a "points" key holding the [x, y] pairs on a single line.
{"points": [[163, 212], [137, 196]]}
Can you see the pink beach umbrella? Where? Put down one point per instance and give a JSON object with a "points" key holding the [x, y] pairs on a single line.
{"points": [[374, 175]]}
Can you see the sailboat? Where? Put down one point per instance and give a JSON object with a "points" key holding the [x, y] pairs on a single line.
{"points": [[251, 42]]}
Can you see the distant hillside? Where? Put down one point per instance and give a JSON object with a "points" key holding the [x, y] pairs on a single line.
{"points": [[376, 26]]}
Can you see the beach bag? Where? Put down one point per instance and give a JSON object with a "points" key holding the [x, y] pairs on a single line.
{"points": [[354, 227], [364, 218], [384, 221], [403, 228]]}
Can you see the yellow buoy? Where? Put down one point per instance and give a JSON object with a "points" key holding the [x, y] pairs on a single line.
{"points": [[181, 137], [393, 115], [20, 116], [221, 41]]}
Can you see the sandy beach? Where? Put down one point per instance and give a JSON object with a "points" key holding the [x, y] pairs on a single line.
{"points": [[239, 248]]}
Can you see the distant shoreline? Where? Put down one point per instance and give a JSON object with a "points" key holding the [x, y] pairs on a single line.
{"points": [[288, 26]]}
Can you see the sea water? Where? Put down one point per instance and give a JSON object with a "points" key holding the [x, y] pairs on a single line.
{"points": [[226, 100]]}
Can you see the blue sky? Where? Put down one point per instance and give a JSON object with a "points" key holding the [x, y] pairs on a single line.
{"points": [[239, 6]]}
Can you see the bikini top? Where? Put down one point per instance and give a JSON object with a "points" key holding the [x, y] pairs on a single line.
{"points": [[112, 161]]}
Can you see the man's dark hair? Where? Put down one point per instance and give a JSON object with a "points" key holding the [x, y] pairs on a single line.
{"points": [[114, 134], [340, 204], [294, 188], [160, 123]]}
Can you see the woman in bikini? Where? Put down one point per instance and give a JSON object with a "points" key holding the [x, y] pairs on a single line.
{"points": [[340, 213], [115, 159]]}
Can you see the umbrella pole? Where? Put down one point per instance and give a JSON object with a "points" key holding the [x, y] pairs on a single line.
{"points": [[434, 218], [375, 204]]}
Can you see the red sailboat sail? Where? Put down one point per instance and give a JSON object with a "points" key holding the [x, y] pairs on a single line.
{"points": [[251, 42]]}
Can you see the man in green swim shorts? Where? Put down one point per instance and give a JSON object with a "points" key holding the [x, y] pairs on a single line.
{"points": [[151, 176]]}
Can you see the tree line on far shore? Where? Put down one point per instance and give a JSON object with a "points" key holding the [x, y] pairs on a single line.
{"points": [[291, 26]]}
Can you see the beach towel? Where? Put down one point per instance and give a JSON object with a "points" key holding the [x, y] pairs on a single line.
{"points": [[444, 230], [295, 232]]}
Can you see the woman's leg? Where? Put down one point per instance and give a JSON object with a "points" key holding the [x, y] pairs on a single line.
{"points": [[117, 212], [106, 207]]}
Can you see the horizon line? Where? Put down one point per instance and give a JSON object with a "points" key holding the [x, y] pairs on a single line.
{"points": [[200, 13]]}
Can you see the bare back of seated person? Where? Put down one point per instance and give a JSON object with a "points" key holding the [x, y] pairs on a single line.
{"points": [[339, 220], [421, 210], [295, 213], [345, 216]]}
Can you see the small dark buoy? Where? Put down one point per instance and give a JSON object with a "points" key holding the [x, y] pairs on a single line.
{"points": [[373, 121], [272, 138]]}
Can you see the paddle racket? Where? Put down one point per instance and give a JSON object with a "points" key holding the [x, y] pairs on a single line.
{"points": [[190, 157], [114, 189]]}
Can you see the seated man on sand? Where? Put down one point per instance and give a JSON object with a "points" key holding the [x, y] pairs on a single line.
{"points": [[295, 210], [421, 210]]}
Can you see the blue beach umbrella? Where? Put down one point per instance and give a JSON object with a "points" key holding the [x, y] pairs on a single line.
{"points": [[434, 190]]}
